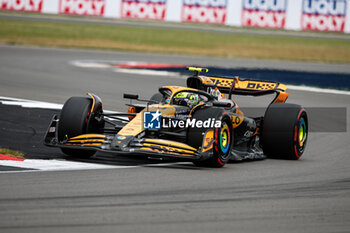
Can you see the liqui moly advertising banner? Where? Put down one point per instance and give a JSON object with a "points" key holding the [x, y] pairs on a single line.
{"points": [[143, 9], [21, 5], [82, 7], [204, 11], [324, 15], [264, 13]]}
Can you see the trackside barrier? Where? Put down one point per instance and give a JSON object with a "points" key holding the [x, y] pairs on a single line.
{"points": [[316, 15]]}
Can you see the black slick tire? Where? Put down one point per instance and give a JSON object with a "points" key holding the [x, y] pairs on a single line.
{"points": [[73, 121], [284, 131], [223, 137]]}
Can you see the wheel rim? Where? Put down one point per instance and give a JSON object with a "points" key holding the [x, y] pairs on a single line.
{"points": [[302, 133], [225, 138]]}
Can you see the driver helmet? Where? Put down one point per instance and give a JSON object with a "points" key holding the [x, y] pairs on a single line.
{"points": [[186, 98]]}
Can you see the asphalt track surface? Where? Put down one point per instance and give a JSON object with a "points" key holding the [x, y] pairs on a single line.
{"points": [[309, 195]]}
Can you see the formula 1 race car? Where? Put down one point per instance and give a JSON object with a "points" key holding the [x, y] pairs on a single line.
{"points": [[198, 123]]}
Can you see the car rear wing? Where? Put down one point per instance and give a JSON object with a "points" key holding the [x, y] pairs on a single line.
{"points": [[246, 87], [235, 86]]}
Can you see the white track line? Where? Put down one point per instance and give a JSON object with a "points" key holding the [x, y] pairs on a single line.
{"points": [[92, 64], [55, 165], [318, 90], [29, 103], [111, 64], [34, 104], [39, 165], [146, 72]]}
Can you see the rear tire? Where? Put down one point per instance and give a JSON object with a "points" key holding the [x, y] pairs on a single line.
{"points": [[74, 121], [284, 131], [223, 137]]}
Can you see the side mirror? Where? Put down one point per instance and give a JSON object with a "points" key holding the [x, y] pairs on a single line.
{"points": [[221, 104], [130, 96]]}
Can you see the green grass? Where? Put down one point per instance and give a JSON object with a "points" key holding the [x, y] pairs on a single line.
{"points": [[126, 38], [13, 153]]}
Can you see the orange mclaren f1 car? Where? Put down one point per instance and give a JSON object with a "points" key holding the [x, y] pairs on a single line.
{"points": [[198, 123]]}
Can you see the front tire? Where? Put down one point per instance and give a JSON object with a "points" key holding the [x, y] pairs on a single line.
{"points": [[285, 131], [223, 137], [74, 120]]}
